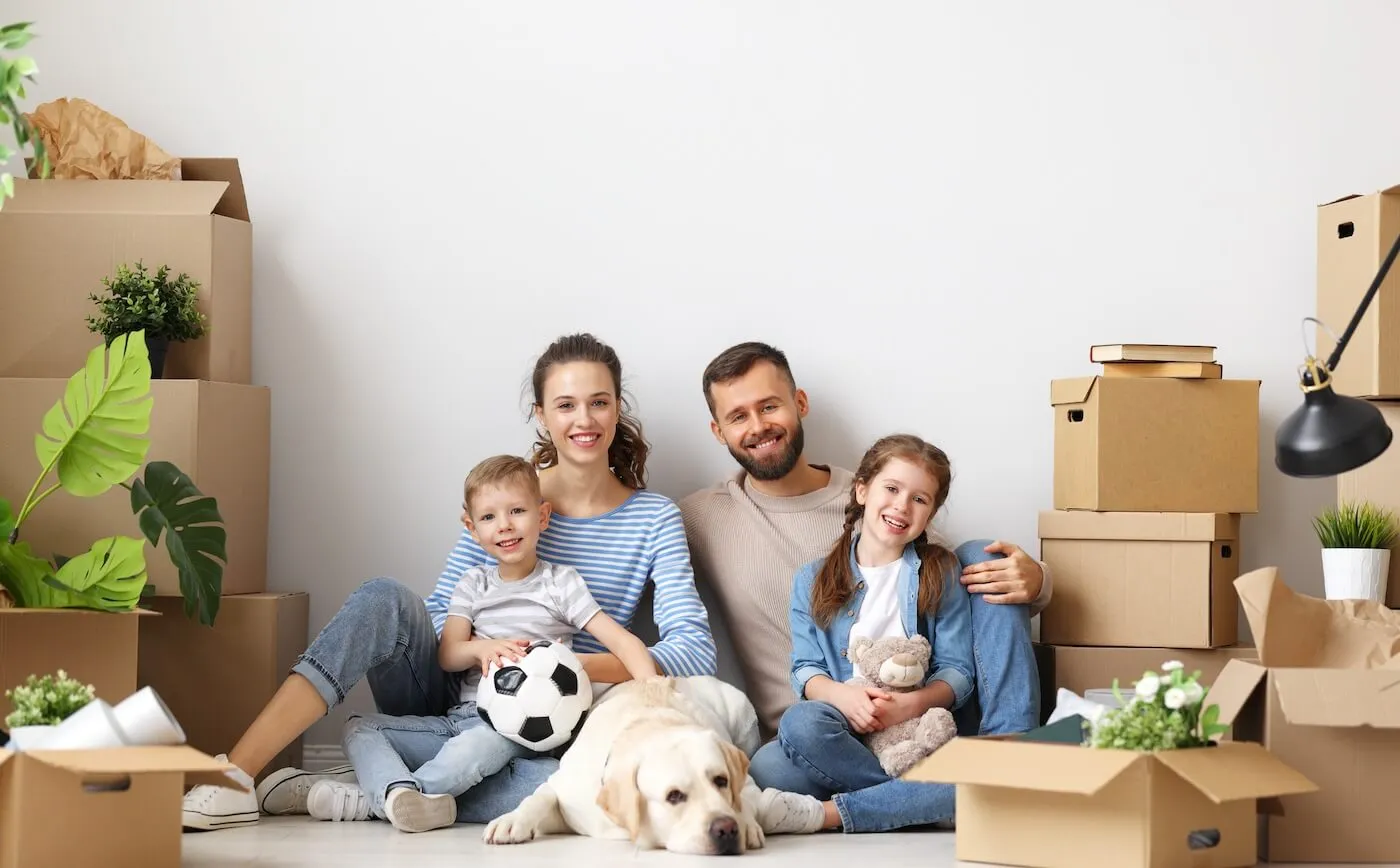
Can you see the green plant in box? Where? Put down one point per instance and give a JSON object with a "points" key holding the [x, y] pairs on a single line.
{"points": [[93, 439], [165, 310], [47, 701], [1165, 712]]}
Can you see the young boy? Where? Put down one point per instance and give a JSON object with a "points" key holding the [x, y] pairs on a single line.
{"points": [[494, 614]]}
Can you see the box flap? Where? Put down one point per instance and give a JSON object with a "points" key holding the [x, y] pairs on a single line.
{"points": [[1339, 697], [73, 196], [1168, 526], [5, 755], [1297, 631], [234, 202], [1231, 771], [32, 610], [994, 762], [1072, 391], [1234, 687], [197, 766]]}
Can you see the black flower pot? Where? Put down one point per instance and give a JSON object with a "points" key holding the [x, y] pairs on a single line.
{"points": [[156, 348]]}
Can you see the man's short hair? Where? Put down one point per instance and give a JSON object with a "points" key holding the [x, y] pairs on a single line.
{"points": [[737, 361], [499, 470]]}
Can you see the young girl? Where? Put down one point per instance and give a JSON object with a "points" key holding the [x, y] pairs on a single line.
{"points": [[883, 577]]}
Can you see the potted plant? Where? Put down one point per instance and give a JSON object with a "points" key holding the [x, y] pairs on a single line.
{"points": [[93, 438], [13, 74], [164, 310], [41, 704], [1356, 540], [1164, 712]]}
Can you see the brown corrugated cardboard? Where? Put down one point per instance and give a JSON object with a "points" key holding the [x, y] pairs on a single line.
{"points": [[1353, 235], [1156, 444], [1378, 482], [60, 238], [1078, 807], [218, 433], [118, 808], [1079, 668], [216, 679], [1324, 697], [1141, 578], [97, 648]]}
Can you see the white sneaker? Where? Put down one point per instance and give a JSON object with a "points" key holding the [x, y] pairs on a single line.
{"points": [[337, 802], [285, 790], [207, 807], [412, 811], [782, 813]]}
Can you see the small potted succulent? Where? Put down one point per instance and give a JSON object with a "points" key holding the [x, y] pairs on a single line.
{"points": [[164, 309], [1356, 539], [41, 704], [1164, 712]]}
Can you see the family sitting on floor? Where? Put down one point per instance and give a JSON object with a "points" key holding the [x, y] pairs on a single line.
{"points": [[803, 559]]}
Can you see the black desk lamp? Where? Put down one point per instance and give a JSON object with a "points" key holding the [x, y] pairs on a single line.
{"points": [[1331, 434]]}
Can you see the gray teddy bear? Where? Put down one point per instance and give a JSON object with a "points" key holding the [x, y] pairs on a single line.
{"points": [[899, 666]]}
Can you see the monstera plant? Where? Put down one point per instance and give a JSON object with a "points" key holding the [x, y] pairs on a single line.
{"points": [[91, 440]]}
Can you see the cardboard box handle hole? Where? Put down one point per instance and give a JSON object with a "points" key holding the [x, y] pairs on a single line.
{"points": [[1203, 839], [1346, 230], [1076, 415], [118, 784], [1225, 551]]}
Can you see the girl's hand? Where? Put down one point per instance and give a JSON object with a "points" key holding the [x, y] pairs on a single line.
{"points": [[498, 651], [857, 703]]}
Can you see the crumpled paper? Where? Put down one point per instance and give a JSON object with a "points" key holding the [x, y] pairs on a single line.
{"points": [[85, 141], [1292, 630]]}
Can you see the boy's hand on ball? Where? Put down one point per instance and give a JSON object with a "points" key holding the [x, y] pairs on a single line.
{"points": [[499, 651]]}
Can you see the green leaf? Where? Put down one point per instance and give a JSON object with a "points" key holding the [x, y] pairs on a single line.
{"points": [[26, 66], [109, 576], [7, 182], [22, 573], [95, 433], [168, 501], [7, 519]]}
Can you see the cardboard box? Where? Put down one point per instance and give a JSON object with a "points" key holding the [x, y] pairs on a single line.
{"points": [[97, 648], [1354, 235], [217, 679], [1156, 444], [1078, 669], [118, 808], [1379, 483], [1322, 698], [1141, 578], [60, 238], [1078, 807], [218, 433]]}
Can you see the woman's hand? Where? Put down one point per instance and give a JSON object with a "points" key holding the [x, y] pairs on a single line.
{"points": [[498, 651], [857, 703]]}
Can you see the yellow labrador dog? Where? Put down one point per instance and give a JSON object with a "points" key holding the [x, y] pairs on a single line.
{"points": [[655, 763]]}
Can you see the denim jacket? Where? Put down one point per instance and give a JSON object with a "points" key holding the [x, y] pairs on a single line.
{"points": [[823, 652]]}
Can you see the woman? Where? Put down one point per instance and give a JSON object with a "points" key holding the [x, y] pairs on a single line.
{"points": [[592, 460]]}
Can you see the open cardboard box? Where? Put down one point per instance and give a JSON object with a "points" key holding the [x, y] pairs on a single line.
{"points": [[119, 808], [1324, 697]]}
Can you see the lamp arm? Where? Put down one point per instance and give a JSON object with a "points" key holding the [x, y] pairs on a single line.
{"points": [[1336, 356]]}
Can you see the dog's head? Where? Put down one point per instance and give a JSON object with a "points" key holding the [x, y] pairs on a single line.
{"points": [[677, 786]]}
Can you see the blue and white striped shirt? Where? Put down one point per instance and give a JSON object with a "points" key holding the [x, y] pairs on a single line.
{"points": [[617, 553]]}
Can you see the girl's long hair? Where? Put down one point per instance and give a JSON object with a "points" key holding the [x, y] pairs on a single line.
{"points": [[627, 456], [835, 583]]}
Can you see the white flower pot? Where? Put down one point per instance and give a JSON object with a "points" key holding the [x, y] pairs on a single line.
{"points": [[29, 737], [1355, 574]]}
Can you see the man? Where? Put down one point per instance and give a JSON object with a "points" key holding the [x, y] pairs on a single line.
{"points": [[749, 535]]}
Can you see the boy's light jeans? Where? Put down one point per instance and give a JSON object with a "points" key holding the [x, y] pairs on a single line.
{"points": [[433, 754], [383, 634], [817, 754]]}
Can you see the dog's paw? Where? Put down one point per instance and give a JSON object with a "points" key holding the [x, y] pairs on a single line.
{"points": [[752, 830], [508, 829]]}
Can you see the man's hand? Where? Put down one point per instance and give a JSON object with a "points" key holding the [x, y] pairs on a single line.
{"points": [[1015, 578]]}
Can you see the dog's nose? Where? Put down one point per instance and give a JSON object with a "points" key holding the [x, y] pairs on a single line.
{"points": [[724, 832]]}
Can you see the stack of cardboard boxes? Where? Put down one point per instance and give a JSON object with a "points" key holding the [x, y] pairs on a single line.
{"points": [[58, 240], [1156, 459]]}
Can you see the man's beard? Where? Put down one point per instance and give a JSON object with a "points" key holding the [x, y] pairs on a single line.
{"points": [[778, 466]]}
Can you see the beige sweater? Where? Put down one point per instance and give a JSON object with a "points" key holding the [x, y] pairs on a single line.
{"points": [[745, 547]]}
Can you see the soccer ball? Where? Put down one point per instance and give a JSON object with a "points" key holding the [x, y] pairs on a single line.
{"points": [[538, 701]]}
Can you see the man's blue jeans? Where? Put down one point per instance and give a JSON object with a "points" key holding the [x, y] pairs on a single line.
{"points": [[383, 633], [816, 753]]}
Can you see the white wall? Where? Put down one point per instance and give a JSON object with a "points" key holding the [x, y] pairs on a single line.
{"points": [[933, 209]]}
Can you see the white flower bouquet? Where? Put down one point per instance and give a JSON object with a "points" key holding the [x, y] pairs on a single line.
{"points": [[47, 701], [1165, 712]]}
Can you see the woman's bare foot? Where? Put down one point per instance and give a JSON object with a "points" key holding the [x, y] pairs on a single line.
{"points": [[831, 818]]}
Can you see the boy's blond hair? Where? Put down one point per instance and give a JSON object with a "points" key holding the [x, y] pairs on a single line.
{"points": [[499, 470]]}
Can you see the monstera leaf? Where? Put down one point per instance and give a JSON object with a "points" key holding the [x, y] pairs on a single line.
{"points": [[168, 501], [96, 433], [22, 573], [110, 576]]}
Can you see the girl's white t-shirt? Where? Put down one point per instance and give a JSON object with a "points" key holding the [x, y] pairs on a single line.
{"points": [[879, 611]]}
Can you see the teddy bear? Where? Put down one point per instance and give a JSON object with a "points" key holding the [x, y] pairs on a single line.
{"points": [[898, 665]]}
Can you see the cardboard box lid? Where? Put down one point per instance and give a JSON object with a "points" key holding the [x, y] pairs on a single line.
{"points": [[1313, 697], [15, 611], [1227, 772], [1074, 390], [1386, 192], [208, 186], [197, 767], [1169, 526]]}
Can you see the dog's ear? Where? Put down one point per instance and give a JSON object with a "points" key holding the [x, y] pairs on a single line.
{"points": [[621, 800], [737, 767]]}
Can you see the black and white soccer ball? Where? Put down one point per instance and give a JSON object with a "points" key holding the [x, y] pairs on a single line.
{"points": [[538, 701]]}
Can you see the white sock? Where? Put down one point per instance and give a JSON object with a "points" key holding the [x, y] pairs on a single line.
{"points": [[781, 813], [236, 773]]}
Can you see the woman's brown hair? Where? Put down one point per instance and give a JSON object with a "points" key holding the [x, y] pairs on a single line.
{"points": [[627, 456], [835, 583]]}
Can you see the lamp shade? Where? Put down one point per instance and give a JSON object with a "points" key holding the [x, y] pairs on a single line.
{"points": [[1330, 434]]}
